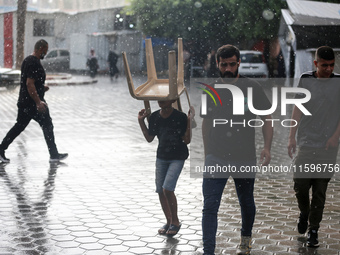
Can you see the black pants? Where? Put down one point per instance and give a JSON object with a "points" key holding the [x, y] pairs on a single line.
{"points": [[311, 174], [113, 70], [25, 115]]}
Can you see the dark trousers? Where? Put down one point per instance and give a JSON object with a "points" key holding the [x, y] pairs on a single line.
{"points": [[212, 192], [113, 70], [25, 115], [307, 160]]}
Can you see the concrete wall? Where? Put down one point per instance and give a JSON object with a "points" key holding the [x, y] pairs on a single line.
{"points": [[62, 30], [131, 43], [128, 41]]}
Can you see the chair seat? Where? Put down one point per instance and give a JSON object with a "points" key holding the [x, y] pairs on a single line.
{"points": [[157, 90]]}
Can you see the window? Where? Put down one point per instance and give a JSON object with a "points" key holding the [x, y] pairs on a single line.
{"points": [[43, 27], [251, 58], [64, 53], [119, 22], [124, 22], [130, 22], [52, 54]]}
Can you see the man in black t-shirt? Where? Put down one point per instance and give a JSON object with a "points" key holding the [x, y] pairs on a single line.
{"points": [[232, 144], [31, 103]]}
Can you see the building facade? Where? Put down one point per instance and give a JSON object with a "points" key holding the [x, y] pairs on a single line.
{"points": [[103, 29], [303, 30]]}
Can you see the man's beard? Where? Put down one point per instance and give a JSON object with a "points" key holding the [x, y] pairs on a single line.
{"points": [[42, 56], [228, 74]]}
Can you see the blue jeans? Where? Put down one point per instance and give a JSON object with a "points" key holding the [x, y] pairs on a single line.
{"points": [[212, 192], [167, 173]]}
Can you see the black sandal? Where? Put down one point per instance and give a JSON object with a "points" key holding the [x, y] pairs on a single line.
{"points": [[164, 229], [173, 228]]}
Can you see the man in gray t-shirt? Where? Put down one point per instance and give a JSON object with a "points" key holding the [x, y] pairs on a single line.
{"points": [[315, 130], [318, 140]]}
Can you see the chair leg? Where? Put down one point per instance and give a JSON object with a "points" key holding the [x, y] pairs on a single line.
{"points": [[180, 68], [173, 87], [128, 76], [177, 105], [150, 60], [147, 108]]}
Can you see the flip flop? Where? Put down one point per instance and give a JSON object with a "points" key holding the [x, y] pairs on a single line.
{"points": [[173, 228], [163, 230]]}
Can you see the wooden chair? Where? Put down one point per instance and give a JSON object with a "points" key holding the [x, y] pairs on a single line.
{"points": [[154, 88]]}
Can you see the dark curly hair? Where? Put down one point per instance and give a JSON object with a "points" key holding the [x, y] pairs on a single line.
{"points": [[227, 51]]}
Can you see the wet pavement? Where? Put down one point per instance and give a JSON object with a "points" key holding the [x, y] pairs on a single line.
{"points": [[101, 199]]}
